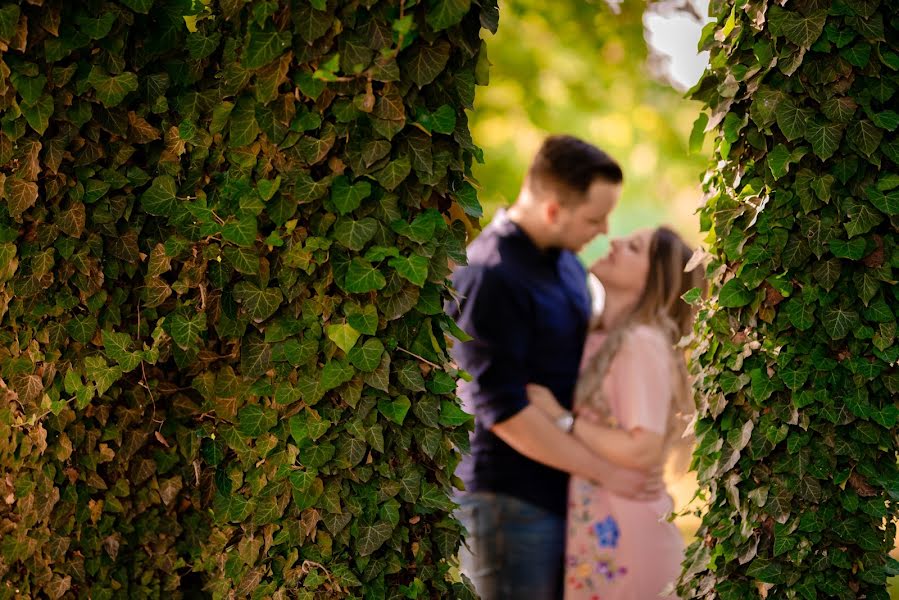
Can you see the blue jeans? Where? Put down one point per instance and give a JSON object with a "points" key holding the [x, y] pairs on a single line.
{"points": [[514, 549]]}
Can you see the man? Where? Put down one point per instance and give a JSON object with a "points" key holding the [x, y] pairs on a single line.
{"points": [[525, 302]]}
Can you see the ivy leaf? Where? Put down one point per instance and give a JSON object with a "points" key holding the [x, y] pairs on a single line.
{"points": [[804, 30], [734, 294], [838, 321], [316, 455], [840, 109], [825, 137], [117, 346], [395, 409], [394, 173], [364, 320], [259, 303], [96, 27], [347, 197], [159, 199], [254, 420], [343, 335], [426, 62], [243, 128], [467, 197], [100, 373], [865, 135], [9, 20], [452, 415], [38, 114], [112, 90], [862, 219], [355, 234], [82, 328], [362, 277], [885, 202], [413, 268], [853, 249], [446, 13], [20, 195], [779, 161], [443, 120], [185, 331], [200, 45], [801, 314], [264, 46], [372, 537], [791, 119], [242, 231], [335, 373], [887, 119], [367, 357]]}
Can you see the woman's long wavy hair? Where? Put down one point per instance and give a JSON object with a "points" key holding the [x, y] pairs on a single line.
{"points": [[660, 306]]}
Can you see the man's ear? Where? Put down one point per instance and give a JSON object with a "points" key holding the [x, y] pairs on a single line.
{"points": [[551, 209]]}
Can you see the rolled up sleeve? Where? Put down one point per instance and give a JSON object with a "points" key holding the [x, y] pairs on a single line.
{"points": [[496, 314]]}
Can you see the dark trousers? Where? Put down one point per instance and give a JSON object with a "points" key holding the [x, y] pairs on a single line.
{"points": [[514, 549]]}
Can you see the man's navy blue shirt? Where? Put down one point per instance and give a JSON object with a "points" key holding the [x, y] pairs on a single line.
{"points": [[527, 310]]}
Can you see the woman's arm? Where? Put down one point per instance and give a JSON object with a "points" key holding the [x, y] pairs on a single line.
{"points": [[642, 376], [636, 449]]}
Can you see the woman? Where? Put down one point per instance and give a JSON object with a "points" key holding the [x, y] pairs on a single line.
{"points": [[634, 376]]}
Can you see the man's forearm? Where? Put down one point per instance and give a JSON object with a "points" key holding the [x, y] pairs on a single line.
{"points": [[532, 434]]}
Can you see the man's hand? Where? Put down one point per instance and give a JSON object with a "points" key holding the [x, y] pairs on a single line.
{"points": [[632, 484]]}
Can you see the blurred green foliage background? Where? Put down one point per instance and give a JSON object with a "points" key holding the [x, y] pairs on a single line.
{"points": [[574, 66]]}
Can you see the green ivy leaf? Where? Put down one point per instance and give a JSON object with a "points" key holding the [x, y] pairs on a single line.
{"points": [[259, 303], [363, 319], [20, 195], [372, 537], [362, 277], [394, 173], [96, 27], [9, 20], [792, 119], [395, 409], [426, 62], [413, 268], [159, 199], [354, 234], [865, 135], [254, 420], [853, 249], [367, 357], [335, 373], [243, 128], [452, 415], [264, 46], [101, 374], [887, 203], [242, 231], [839, 321], [347, 197], [185, 330], [825, 137], [112, 90], [446, 13], [734, 294], [343, 335]]}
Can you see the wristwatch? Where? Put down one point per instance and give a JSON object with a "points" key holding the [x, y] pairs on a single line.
{"points": [[566, 422]]}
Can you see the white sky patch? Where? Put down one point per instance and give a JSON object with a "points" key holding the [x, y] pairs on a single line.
{"points": [[673, 35]]}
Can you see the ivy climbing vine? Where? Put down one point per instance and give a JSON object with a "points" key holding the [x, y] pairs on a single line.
{"points": [[796, 346], [225, 233]]}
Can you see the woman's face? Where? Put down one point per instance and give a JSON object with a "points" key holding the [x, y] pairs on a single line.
{"points": [[625, 267]]}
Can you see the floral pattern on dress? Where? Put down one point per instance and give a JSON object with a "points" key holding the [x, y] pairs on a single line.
{"points": [[599, 558]]}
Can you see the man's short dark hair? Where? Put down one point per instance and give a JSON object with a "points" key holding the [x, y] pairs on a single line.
{"points": [[564, 160]]}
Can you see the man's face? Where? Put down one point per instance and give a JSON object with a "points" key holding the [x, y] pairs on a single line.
{"points": [[578, 223]]}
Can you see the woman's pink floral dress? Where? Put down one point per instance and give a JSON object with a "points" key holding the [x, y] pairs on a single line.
{"points": [[621, 549]]}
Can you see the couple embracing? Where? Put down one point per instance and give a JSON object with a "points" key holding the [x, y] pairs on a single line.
{"points": [[575, 413]]}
